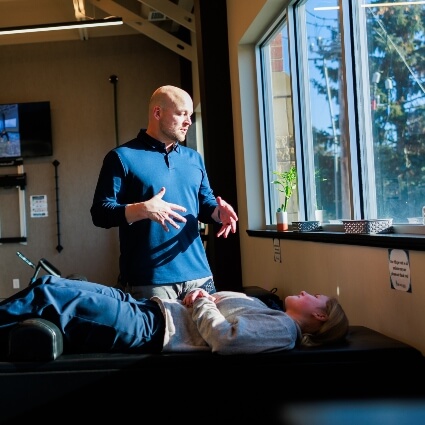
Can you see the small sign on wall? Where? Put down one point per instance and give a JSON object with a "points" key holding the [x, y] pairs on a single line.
{"points": [[276, 250], [399, 270], [39, 206]]}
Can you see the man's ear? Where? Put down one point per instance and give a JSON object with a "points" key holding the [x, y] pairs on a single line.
{"points": [[157, 112], [320, 316]]}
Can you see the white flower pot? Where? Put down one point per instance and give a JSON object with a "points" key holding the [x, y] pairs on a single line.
{"points": [[282, 221], [319, 215]]}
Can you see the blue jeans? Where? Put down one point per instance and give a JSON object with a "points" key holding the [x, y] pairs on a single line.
{"points": [[91, 316]]}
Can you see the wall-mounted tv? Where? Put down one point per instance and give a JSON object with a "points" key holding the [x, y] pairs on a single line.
{"points": [[25, 130]]}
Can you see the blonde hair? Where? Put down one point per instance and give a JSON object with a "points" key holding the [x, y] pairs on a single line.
{"points": [[333, 330]]}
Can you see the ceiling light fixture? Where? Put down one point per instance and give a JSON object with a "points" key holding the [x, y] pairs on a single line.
{"points": [[326, 8], [63, 26]]}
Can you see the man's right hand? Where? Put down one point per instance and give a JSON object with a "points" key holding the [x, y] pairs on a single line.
{"points": [[156, 209]]}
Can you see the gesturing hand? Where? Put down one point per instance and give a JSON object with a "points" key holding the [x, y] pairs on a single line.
{"points": [[228, 218], [164, 212]]}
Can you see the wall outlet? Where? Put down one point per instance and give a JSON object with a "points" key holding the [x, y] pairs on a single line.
{"points": [[15, 283]]}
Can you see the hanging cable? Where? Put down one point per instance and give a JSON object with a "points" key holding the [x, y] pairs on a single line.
{"points": [[59, 247], [114, 79]]}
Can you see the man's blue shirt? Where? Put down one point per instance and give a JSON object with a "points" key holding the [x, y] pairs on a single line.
{"points": [[135, 172]]}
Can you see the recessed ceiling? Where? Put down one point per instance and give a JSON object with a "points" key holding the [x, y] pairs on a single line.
{"points": [[167, 22]]}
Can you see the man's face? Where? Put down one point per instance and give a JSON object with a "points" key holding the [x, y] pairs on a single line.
{"points": [[176, 120]]}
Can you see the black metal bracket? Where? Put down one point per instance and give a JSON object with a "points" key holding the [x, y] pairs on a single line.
{"points": [[13, 180]]}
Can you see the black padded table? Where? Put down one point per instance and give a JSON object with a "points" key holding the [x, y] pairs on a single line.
{"points": [[202, 387]]}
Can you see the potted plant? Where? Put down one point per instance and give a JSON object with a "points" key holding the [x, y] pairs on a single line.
{"points": [[319, 180], [286, 182]]}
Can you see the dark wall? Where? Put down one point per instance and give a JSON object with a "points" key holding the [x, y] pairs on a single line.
{"points": [[75, 77], [217, 120]]}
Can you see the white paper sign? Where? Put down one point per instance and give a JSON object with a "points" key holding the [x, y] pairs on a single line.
{"points": [[39, 206], [399, 270]]}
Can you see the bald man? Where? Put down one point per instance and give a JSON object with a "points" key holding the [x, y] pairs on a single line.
{"points": [[156, 191]]}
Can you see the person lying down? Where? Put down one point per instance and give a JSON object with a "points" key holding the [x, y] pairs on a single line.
{"points": [[98, 318]]}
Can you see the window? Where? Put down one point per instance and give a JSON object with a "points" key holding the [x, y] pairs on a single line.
{"points": [[343, 92], [278, 116]]}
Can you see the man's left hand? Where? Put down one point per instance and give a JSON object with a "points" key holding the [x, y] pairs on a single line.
{"points": [[227, 216]]}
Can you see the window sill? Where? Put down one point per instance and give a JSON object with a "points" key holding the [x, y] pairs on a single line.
{"points": [[411, 237]]}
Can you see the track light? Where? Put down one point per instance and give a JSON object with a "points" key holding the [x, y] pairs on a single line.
{"points": [[62, 26]]}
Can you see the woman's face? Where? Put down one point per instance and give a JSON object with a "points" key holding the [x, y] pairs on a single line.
{"points": [[306, 303]]}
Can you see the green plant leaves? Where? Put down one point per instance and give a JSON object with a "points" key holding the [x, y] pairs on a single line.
{"points": [[286, 182]]}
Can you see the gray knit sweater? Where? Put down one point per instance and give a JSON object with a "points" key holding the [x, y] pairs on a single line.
{"points": [[234, 324]]}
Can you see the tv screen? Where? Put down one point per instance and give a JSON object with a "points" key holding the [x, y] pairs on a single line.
{"points": [[25, 130]]}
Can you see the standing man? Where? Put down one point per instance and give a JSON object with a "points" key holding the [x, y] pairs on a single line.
{"points": [[156, 191]]}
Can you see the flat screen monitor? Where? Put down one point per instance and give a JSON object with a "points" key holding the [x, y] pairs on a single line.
{"points": [[25, 130]]}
